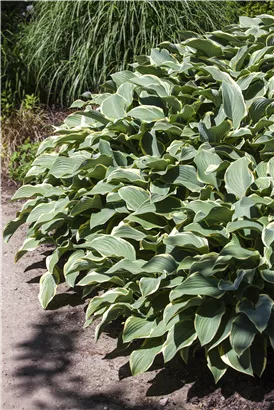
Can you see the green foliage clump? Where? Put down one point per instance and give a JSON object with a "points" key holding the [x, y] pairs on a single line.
{"points": [[254, 8], [162, 199], [21, 160], [92, 39]]}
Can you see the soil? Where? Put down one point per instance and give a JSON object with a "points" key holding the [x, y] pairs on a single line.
{"points": [[50, 362]]}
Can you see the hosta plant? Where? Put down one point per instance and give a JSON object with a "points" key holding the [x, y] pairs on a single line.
{"points": [[162, 200]]}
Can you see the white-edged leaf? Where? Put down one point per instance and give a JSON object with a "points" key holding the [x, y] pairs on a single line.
{"points": [[114, 107], [240, 363], [148, 286], [215, 364], [242, 334], [197, 284], [111, 246], [187, 240], [238, 177], [181, 335], [133, 196], [48, 288], [95, 278], [142, 359], [208, 319], [268, 235], [45, 190], [259, 314], [136, 328], [147, 113], [234, 104]]}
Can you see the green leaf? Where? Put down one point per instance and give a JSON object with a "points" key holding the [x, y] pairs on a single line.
{"points": [[181, 335], [71, 269], [85, 204], [12, 226], [240, 363], [173, 309], [205, 46], [237, 61], [48, 288], [30, 244], [133, 267], [142, 359], [84, 119], [208, 319], [125, 90], [247, 22], [112, 313], [204, 265], [184, 175], [187, 240], [111, 246], [114, 107], [122, 77], [268, 235], [121, 174], [267, 275], [234, 104], [270, 331], [160, 263], [78, 104], [242, 334], [234, 250], [101, 217], [197, 284], [203, 160], [45, 190], [136, 328], [66, 166], [223, 332], [54, 258], [228, 285], [215, 364], [258, 108], [133, 196], [244, 224], [148, 286], [238, 177], [96, 278], [147, 113], [127, 232], [160, 56], [214, 134], [259, 355], [184, 353], [260, 313], [108, 298]]}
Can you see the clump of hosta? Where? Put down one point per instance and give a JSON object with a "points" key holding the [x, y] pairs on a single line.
{"points": [[163, 198]]}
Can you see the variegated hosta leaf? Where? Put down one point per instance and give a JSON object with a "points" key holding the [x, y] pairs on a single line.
{"points": [[258, 314], [161, 200], [48, 286], [208, 319], [215, 364], [181, 335], [142, 359]]}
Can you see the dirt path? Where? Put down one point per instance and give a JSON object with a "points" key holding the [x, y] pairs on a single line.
{"points": [[49, 362]]}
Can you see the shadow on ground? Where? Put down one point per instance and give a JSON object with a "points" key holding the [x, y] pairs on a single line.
{"points": [[44, 360]]}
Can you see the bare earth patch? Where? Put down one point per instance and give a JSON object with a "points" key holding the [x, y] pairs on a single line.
{"points": [[49, 362]]}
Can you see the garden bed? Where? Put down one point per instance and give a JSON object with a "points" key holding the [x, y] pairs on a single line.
{"points": [[50, 362]]}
